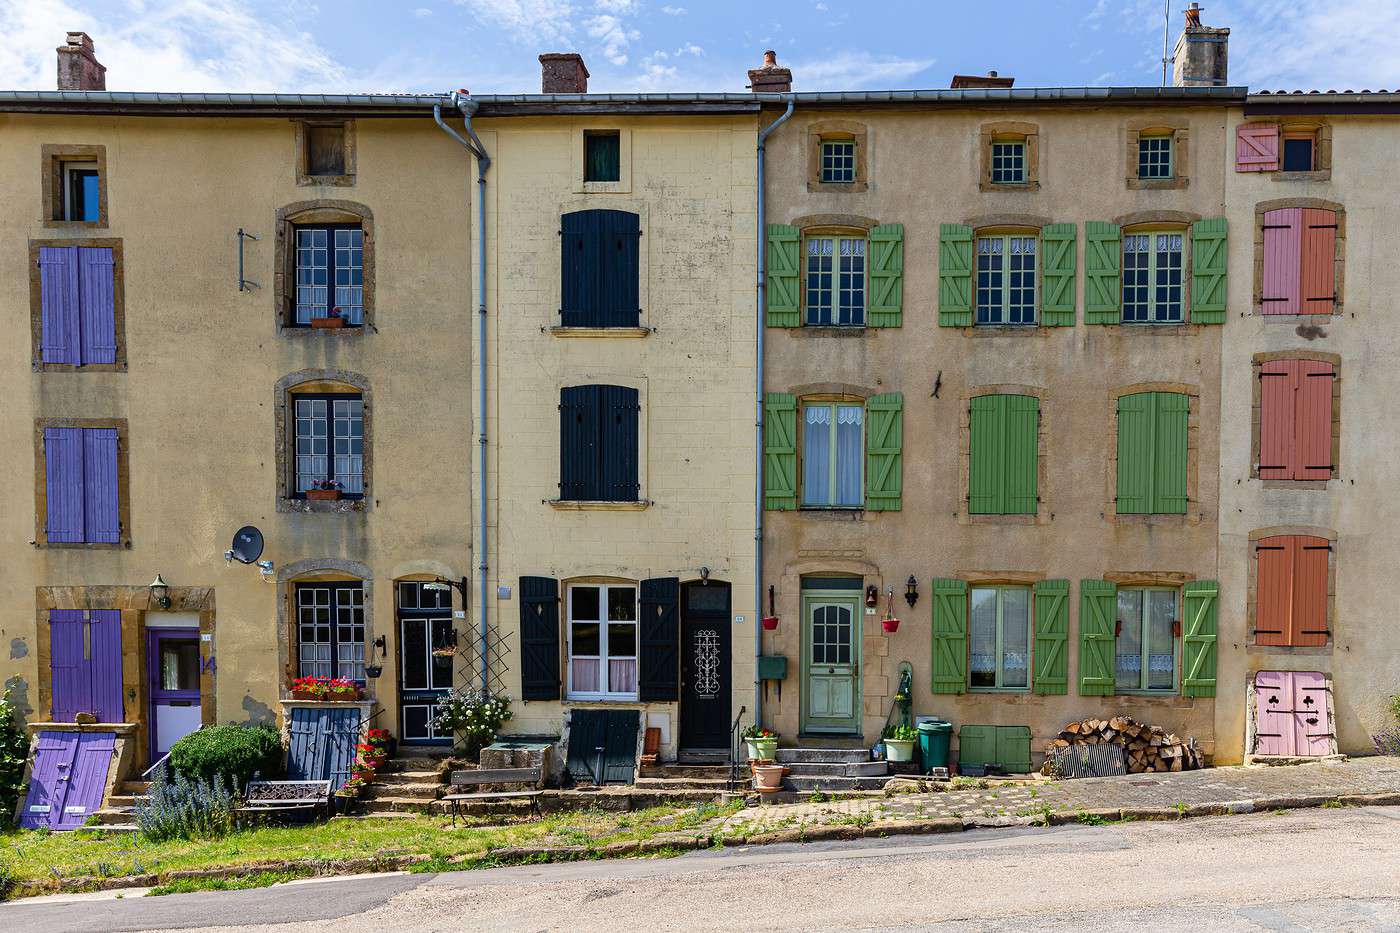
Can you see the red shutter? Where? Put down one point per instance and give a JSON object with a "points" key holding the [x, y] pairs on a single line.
{"points": [[1310, 592], [1319, 246], [1277, 399], [1283, 244], [1313, 419], [1274, 590], [1256, 147]]}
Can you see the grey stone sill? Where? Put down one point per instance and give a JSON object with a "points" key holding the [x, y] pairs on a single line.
{"points": [[589, 505], [1289, 649], [1314, 175], [121, 728], [834, 330], [323, 505], [315, 333], [600, 331]]}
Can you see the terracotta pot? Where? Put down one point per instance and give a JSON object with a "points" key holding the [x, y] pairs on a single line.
{"points": [[770, 623], [307, 695], [322, 322], [890, 625], [323, 495], [768, 778]]}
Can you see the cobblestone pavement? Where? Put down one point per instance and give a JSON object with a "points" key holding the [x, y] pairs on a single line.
{"points": [[1143, 796]]}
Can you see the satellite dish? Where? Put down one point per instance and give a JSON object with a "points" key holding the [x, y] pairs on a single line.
{"points": [[247, 544]]}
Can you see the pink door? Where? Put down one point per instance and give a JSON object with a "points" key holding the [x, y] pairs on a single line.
{"points": [[1293, 713], [1312, 714], [1273, 699]]}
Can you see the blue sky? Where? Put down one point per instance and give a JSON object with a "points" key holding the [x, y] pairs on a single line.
{"points": [[490, 46]]}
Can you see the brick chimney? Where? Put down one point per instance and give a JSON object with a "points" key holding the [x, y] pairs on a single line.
{"points": [[770, 79], [78, 67], [990, 79], [563, 73], [1201, 56]]}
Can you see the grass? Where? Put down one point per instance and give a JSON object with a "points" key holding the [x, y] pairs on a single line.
{"points": [[261, 879]]}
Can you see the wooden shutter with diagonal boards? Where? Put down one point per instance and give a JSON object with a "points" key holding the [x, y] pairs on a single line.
{"points": [[949, 636], [954, 275], [884, 445], [783, 276], [1103, 256], [1256, 147], [886, 275], [1098, 615], [779, 451], [1057, 303], [1051, 636]]}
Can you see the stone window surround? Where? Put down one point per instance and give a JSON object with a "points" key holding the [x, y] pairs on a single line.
{"points": [[133, 602], [1013, 225], [1256, 406], [1322, 148], [304, 179], [52, 157], [834, 130], [1180, 130], [1010, 131], [836, 393], [314, 381], [36, 305], [642, 502], [1043, 515], [319, 211], [1339, 255], [321, 570], [555, 269], [578, 150], [1252, 589], [1195, 512], [41, 498], [849, 225], [1157, 221]]}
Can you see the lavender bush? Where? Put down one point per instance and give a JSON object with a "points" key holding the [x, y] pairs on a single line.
{"points": [[176, 808]]}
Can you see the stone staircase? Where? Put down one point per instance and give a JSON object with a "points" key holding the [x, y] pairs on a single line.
{"points": [[831, 769], [408, 784], [117, 814], [675, 777]]}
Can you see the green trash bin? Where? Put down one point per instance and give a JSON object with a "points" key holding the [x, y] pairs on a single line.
{"points": [[935, 736]]}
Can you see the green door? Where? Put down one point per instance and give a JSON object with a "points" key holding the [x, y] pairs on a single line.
{"points": [[831, 662]]}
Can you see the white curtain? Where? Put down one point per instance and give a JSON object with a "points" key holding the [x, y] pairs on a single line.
{"points": [[816, 456], [585, 675], [622, 676], [850, 455]]}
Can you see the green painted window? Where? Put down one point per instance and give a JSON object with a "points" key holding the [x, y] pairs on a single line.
{"points": [[1003, 463], [1152, 278], [1009, 162], [835, 280], [1146, 641], [602, 155], [1001, 638], [1006, 279], [838, 161], [833, 448], [1152, 453], [1155, 156]]}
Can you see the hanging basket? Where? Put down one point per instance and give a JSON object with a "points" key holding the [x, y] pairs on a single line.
{"points": [[770, 623], [890, 625]]}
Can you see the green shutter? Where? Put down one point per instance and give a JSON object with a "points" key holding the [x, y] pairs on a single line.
{"points": [[1199, 601], [984, 489], [1051, 635], [884, 455], [1058, 242], [783, 276], [949, 636], [1169, 470], [1136, 429], [1002, 466], [1022, 421], [954, 275], [779, 450], [1098, 617], [1103, 251], [1014, 749], [977, 746], [886, 275], [1208, 264]]}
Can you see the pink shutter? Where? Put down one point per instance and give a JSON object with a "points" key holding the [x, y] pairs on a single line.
{"points": [[1274, 590], [1283, 245], [1256, 147], [1273, 713], [1317, 264], [1310, 591], [1277, 449], [1313, 419], [1312, 712]]}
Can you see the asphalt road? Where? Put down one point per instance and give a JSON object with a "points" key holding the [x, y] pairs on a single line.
{"points": [[1334, 870]]}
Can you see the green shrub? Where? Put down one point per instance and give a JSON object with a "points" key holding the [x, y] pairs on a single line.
{"points": [[473, 717], [235, 752], [14, 750]]}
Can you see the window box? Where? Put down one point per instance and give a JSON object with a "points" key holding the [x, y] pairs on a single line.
{"points": [[335, 320], [323, 495]]}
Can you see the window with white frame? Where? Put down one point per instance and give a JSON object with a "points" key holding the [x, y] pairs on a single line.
{"points": [[838, 161], [836, 280], [1155, 157], [330, 274], [1001, 638], [603, 641], [1152, 278], [1009, 162], [833, 455], [331, 630], [1146, 644], [1006, 279], [330, 444]]}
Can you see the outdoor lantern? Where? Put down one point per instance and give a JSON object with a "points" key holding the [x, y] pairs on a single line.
{"points": [[872, 596], [160, 593], [911, 591]]}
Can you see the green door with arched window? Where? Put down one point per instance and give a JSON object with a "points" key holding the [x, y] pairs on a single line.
{"points": [[831, 699]]}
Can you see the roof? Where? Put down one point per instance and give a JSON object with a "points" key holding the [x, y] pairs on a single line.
{"points": [[1282, 103]]}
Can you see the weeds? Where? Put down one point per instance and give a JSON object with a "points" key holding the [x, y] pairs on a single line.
{"points": [[262, 879]]}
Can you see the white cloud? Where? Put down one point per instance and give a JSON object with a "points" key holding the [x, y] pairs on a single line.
{"points": [[1337, 45], [613, 34], [526, 20], [854, 71], [673, 10], [690, 48], [619, 7], [422, 11]]}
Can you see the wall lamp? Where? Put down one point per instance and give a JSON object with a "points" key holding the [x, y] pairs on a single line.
{"points": [[160, 592], [911, 591], [441, 585]]}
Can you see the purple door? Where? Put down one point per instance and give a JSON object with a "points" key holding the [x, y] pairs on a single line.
{"points": [[86, 663], [1293, 713], [173, 655], [68, 780]]}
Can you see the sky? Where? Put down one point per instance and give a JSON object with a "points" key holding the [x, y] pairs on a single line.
{"points": [[490, 46]]}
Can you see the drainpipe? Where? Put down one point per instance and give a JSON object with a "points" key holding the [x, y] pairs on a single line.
{"points": [[758, 419], [467, 106]]}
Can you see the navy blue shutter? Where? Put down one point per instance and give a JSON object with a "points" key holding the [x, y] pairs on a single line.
{"points": [[579, 476], [577, 243], [658, 641], [618, 443], [599, 269], [622, 235], [539, 638]]}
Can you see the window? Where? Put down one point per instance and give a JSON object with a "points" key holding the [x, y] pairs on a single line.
{"points": [[1146, 641], [331, 630], [326, 153], [82, 485], [1006, 279], [1155, 156], [78, 305], [329, 274], [838, 161], [1295, 420], [1153, 430], [1292, 574], [1299, 261], [836, 280], [1003, 462], [1009, 162], [600, 269], [1269, 147], [833, 449], [1152, 278], [74, 185], [1298, 151], [602, 155], [1001, 631], [598, 443], [329, 433], [603, 648], [81, 192]]}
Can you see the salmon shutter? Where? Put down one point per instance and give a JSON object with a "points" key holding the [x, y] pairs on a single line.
{"points": [[1283, 244], [101, 521], [1200, 600], [1273, 574], [1310, 591], [1170, 456], [1318, 268], [1313, 419], [954, 275], [63, 482], [1098, 611], [1208, 271], [1103, 254], [97, 305], [779, 451], [949, 636], [884, 452], [782, 285], [1256, 147], [1136, 429], [1058, 298], [1277, 419], [1051, 636], [59, 339], [886, 275], [539, 638]]}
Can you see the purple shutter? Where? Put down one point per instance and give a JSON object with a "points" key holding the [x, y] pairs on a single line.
{"points": [[54, 753], [63, 476], [105, 664], [101, 524], [58, 295], [97, 304], [72, 681], [87, 782]]}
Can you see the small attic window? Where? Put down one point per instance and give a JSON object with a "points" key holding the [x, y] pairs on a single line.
{"points": [[602, 155], [326, 154]]}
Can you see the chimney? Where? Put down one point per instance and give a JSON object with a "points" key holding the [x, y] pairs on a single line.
{"points": [[78, 67], [563, 73], [1201, 56], [770, 79], [990, 79]]}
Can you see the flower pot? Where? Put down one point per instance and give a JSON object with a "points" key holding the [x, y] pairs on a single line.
{"points": [[345, 696], [323, 495], [762, 749], [890, 625], [308, 695], [768, 778], [899, 749], [324, 322], [770, 623]]}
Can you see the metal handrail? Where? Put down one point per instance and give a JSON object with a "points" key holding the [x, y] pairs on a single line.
{"points": [[146, 775], [734, 750]]}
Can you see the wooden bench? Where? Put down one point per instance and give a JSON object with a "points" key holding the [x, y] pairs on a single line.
{"points": [[493, 778], [272, 797]]}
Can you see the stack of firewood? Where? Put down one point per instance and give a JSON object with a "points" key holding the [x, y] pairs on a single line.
{"points": [[1146, 748]]}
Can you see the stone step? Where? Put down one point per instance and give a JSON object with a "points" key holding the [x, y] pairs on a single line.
{"points": [[380, 805], [113, 816], [838, 768], [378, 791], [790, 755], [683, 783], [134, 787], [806, 783], [124, 801], [411, 777]]}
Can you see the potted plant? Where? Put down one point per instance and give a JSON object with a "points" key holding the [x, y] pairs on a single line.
{"points": [[342, 689], [324, 490], [380, 738], [899, 742], [372, 756], [770, 623], [309, 688], [762, 743], [889, 623], [332, 320], [768, 778]]}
